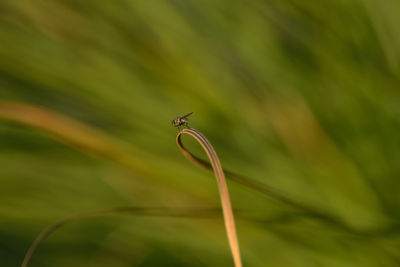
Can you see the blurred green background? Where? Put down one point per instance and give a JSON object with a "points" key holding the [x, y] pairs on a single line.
{"points": [[301, 96]]}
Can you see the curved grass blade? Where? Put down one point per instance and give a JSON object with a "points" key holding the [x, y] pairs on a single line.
{"points": [[153, 211], [223, 190]]}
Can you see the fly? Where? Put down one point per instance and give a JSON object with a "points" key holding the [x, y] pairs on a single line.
{"points": [[181, 121]]}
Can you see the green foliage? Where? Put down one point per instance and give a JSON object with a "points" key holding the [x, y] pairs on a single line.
{"points": [[298, 95]]}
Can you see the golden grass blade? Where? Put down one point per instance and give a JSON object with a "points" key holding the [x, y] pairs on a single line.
{"points": [[223, 190], [74, 133], [59, 126], [142, 211]]}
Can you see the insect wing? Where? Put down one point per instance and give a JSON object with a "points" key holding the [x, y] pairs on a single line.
{"points": [[187, 115]]}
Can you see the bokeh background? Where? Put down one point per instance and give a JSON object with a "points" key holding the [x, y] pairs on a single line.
{"points": [[299, 96]]}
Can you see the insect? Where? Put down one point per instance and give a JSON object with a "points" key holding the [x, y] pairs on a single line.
{"points": [[181, 121]]}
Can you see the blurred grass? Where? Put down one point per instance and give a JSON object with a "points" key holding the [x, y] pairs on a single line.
{"points": [[301, 96]]}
